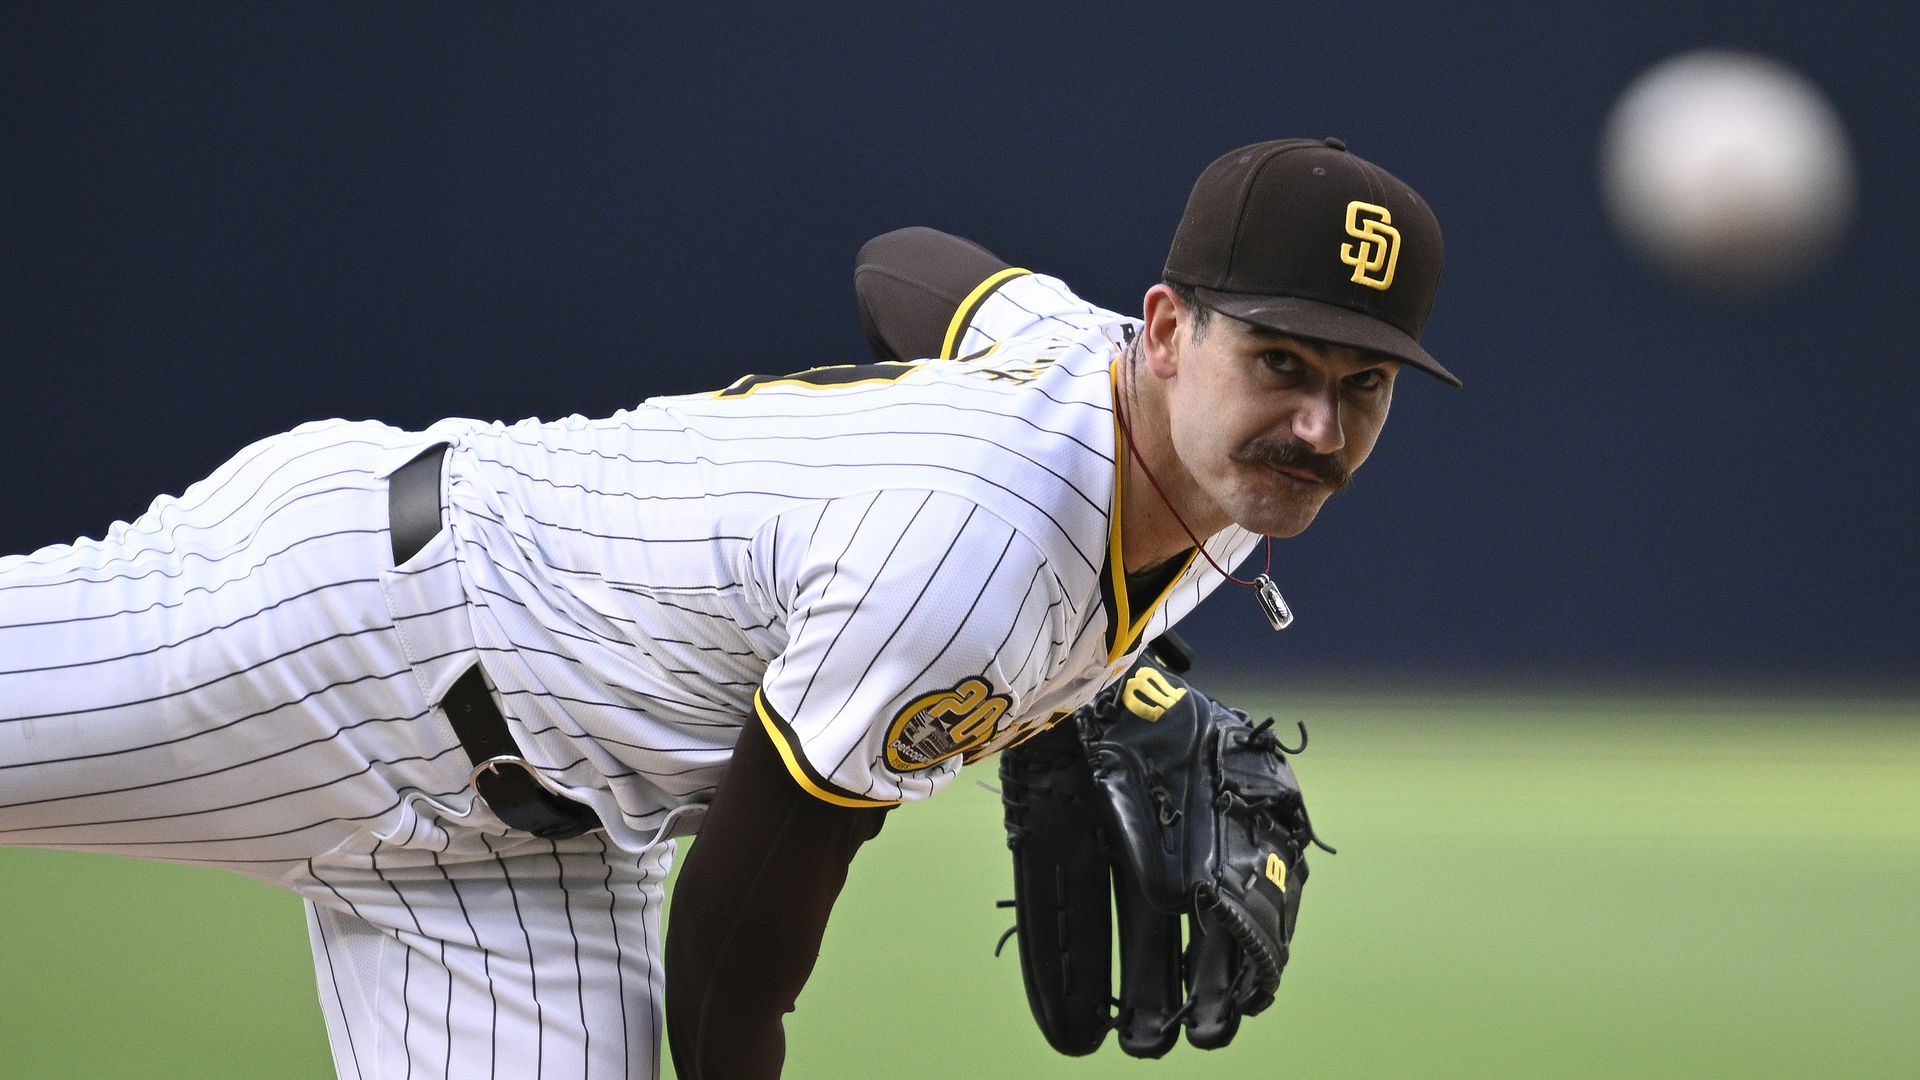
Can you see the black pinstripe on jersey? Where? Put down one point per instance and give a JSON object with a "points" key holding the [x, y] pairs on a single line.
{"points": [[239, 677]]}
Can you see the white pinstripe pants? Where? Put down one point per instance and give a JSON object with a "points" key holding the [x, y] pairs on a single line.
{"points": [[223, 682]]}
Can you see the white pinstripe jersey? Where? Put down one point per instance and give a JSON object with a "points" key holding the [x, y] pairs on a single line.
{"points": [[897, 567]]}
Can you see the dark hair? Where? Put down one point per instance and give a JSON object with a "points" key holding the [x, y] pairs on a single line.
{"points": [[1202, 314]]}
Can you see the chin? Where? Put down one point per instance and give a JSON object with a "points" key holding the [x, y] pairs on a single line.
{"points": [[1279, 521], [1285, 530], [1270, 506]]}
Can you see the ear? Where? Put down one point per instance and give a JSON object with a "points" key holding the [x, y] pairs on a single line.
{"points": [[1165, 330]]}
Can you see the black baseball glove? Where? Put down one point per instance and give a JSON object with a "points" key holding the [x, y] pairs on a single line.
{"points": [[1177, 810]]}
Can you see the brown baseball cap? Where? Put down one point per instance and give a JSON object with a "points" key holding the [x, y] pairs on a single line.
{"points": [[1303, 237]]}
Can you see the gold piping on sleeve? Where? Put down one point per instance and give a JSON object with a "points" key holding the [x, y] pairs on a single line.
{"points": [[963, 315], [796, 765]]}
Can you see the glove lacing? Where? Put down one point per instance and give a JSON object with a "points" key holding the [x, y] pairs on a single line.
{"points": [[1263, 738]]}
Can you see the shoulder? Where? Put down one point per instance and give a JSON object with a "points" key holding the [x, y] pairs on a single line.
{"points": [[916, 622], [1016, 304]]}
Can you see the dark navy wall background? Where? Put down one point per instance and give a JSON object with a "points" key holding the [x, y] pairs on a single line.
{"points": [[217, 222]]}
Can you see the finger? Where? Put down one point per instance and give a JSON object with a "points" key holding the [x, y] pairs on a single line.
{"points": [[1216, 982], [1150, 991]]}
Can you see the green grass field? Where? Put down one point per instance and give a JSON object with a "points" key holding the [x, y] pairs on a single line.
{"points": [[1690, 887]]}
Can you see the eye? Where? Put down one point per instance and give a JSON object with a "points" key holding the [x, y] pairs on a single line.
{"points": [[1281, 361], [1370, 379]]}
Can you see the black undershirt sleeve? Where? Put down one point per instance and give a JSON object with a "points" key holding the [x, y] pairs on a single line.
{"points": [[749, 910], [910, 282], [751, 903]]}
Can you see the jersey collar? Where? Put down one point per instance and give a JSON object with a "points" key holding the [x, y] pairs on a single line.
{"points": [[1124, 624]]}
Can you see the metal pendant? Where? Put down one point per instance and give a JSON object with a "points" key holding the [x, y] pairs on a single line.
{"points": [[1271, 602]]}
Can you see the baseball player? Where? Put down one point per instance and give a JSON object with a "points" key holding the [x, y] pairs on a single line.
{"points": [[461, 689]]}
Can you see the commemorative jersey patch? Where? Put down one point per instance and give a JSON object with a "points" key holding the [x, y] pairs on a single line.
{"points": [[934, 727]]}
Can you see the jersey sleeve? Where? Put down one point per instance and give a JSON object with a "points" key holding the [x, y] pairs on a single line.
{"points": [[909, 282], [925, 293], [919, 625], [1019, 305]]}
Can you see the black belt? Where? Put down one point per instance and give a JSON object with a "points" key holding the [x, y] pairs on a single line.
{"points": [[512, 787]]}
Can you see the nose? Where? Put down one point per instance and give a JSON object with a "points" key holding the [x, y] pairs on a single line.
{"points": [[1317, 422]]}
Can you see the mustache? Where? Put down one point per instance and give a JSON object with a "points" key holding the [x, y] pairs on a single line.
{"points": [[1294, 454]]}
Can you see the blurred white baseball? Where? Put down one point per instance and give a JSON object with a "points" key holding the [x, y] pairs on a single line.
{"points": [[1727, 170]]}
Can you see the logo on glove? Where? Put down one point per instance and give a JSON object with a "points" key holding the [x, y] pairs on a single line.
{"points": [[1148, 695], [1277, 871]]}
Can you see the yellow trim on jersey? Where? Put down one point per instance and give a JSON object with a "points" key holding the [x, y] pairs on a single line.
{"points": [[797, 766], [974, 358], [1126, 628], [963, 315], [814, 379]]}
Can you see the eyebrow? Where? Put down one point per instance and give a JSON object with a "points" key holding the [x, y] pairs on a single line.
{"points": [[1368, 357]]}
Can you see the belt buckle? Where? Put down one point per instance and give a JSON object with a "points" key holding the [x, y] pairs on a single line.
{"points": [[493, 764]]}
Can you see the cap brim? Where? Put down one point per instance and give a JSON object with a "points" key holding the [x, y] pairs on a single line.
{"points": [[1301, 317]]}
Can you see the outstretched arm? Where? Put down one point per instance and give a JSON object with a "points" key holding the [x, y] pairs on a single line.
{"points": [[749, 910], [910, 282]]}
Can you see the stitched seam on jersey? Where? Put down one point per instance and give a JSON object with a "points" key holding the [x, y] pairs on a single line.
{"points": [[963, 315], [407, 650]]}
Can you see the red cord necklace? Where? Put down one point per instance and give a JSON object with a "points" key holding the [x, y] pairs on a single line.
{"points": [[1272, 604]]}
